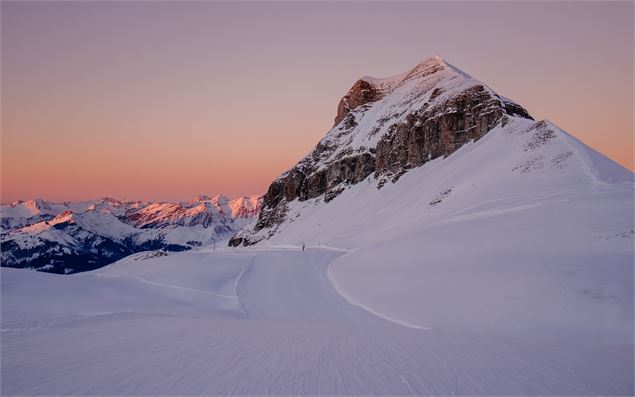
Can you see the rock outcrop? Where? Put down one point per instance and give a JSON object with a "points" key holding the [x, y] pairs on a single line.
{"points": [[361, 93], [383, 128], [439, 130]]}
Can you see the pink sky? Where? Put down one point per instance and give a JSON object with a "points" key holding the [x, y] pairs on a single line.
{"points": [[167, 100]]}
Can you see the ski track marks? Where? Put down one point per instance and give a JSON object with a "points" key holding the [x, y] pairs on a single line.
{"points": [[295, 335]]}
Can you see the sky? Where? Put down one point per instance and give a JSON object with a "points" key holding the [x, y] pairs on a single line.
{"points": [[168, 100]]}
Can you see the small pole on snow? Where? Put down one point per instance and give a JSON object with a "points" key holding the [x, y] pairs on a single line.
{"points": [[214, 244]]}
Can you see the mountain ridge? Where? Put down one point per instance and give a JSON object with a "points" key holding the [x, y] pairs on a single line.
{"points": [[75, 236]]}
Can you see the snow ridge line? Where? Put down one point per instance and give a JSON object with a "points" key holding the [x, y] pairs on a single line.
{"points": [[237, 284], [170, 286], [570, 141], [370, 310], [183, 288]]}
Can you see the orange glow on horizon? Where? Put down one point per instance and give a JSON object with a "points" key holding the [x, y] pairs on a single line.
{"points": [[165, 101]]}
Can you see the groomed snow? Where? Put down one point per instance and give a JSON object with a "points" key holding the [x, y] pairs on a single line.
{"points": [[268, 321]]}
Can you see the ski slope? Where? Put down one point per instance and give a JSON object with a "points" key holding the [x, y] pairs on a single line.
{"points": [[269, 321]]}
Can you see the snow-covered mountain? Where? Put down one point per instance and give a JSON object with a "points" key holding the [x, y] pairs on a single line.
{"points": [[76, 236], [402, 152], [458, 211], [438, 241]]}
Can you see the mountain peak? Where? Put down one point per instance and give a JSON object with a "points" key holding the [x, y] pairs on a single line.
{"points": [[199, 198], [369, 89], [431, 64], [385, 127], [220, 199], [434, 60], [38, 204], [111, 200], [63, 217]]}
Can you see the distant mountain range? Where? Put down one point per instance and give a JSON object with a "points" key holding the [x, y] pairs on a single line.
{"points": [[76, 236]]}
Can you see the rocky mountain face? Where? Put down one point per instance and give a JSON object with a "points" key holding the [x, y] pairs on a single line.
{"points": [[76, 236], [383, 128]]}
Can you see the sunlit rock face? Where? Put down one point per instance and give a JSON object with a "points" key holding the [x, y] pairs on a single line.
{"points": [[361, 93], [440, 129], [383, 128]]}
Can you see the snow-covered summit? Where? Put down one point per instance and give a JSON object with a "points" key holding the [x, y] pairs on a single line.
{"points": [[27, 209], [373, 105], [387, 126], [385, 85]]}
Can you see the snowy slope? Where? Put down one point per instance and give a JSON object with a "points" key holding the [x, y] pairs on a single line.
{"points": [[532, 225], [524, 233], [523, 165], [267, 321], [132, 285]]}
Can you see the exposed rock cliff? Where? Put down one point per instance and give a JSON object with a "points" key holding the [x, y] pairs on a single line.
{"points": [[361, 93], [384, 127]]}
